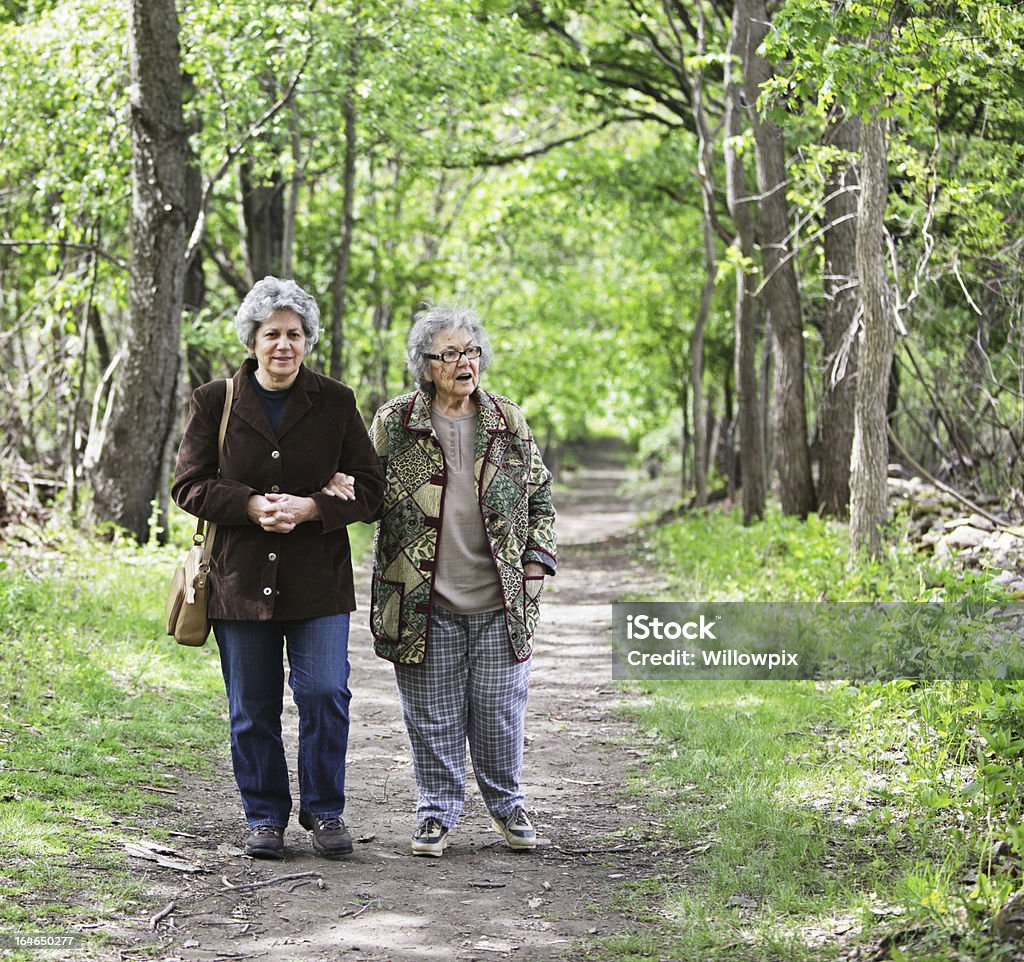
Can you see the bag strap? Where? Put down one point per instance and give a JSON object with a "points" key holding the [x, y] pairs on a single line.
{"points": [[211, 529]]}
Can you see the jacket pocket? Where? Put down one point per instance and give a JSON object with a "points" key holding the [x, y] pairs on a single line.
{"points": [[533, 588], [386, 599]]}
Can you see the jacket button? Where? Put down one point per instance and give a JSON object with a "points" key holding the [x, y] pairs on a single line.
{"points": [[268, 591], [274, 488], [275, 454], [272, 556]]}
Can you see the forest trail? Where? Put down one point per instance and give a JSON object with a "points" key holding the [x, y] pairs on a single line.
{"points": [[480, 901]]}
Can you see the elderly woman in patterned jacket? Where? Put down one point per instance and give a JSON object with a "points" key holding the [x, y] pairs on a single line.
{"points": [[465, 539]]}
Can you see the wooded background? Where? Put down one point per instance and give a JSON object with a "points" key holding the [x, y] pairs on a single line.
{"points": [[771, 244]]}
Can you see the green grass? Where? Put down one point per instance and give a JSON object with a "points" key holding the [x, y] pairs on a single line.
{"points": [[811, 818], [99, 709], [712, 557]]}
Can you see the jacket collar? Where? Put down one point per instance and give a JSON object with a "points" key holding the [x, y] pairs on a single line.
{"points": [[248, 407], [492, 418]]}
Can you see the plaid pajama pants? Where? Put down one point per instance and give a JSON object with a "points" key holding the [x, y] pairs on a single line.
{"points": [[469, 686]]}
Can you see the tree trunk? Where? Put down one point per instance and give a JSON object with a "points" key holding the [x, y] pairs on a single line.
{"points": [[870, 456], [198, 369], [376, 374], [263, 215], [126, 473], [838, 346], [730, 466], [291, 211], [747, 401], [782, 291], [339, 285], [707, 191], [684, 442]]}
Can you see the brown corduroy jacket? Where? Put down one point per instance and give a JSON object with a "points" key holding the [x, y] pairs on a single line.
{"points": [[259, 575]]}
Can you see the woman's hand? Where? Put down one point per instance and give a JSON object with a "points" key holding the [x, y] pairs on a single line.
{"points": [[534, 569], [341, 486], [281, 513]]}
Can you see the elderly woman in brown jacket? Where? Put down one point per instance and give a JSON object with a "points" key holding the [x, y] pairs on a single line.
{"points": [[282, 569]]}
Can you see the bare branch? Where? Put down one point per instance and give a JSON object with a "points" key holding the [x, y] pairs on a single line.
{"points": [[824, 229], [90, 248], [500, 160], [963, 287], [659, 51], [233, 153], [929, 243], [977, 509]]}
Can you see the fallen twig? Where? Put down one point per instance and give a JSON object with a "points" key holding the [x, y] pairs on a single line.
{"points": [[160, 855], [157, 788], [595, 851], [237, 955], [488, 885], [231, 887], [162, 914], [355, 915]]}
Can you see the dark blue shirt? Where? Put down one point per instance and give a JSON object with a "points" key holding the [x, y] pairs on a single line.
{"points": [[274, 402]]}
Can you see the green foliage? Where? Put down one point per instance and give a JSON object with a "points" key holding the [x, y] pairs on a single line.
{"points": [[949, 82], [587, 258]]}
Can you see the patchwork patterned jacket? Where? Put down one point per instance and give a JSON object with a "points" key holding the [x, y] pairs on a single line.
{"points": [[514, 490]]}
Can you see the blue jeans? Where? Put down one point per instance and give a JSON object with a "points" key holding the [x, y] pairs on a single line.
{"points": [[250, 658]]}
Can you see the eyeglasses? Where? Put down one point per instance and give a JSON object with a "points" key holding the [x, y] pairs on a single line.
{"points": [[451, 355]]}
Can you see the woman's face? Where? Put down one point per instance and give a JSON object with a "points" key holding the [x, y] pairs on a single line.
{"points": [[459, 378], [280, 346]]}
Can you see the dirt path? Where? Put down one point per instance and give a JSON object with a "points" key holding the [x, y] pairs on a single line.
{"points": [[480, 901]]}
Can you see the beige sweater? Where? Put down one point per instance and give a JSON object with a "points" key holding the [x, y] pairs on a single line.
{"points": [[466, 580]]}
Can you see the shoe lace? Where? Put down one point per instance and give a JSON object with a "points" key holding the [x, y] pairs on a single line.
{"points": [[266, 830], [518, 819], [429, 827], [332, 824]]}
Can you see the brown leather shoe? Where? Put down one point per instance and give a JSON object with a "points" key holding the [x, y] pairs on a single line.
{"points": [[330, 837], [265, 841]]}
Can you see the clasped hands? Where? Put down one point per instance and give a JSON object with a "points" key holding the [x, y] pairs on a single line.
{"points": [[282, 513]]}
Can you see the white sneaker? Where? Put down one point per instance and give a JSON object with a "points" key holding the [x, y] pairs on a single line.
{"points": [[430, 838], [516, 829]]}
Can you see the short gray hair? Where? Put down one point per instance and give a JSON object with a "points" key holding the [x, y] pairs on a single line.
{"points": [[433, 320], [270, 295]]}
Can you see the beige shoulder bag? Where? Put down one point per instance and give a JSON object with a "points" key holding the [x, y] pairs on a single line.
{"points": [[186, 609]]}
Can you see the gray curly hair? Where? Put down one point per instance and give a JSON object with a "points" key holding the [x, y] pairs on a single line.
{"points": [[433, 320], [270, 295]]}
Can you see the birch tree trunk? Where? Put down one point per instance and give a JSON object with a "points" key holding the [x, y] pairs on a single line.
{"points": [[707, 190], [870, 456], [125, 464], [839, 348], [740, 209]]}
